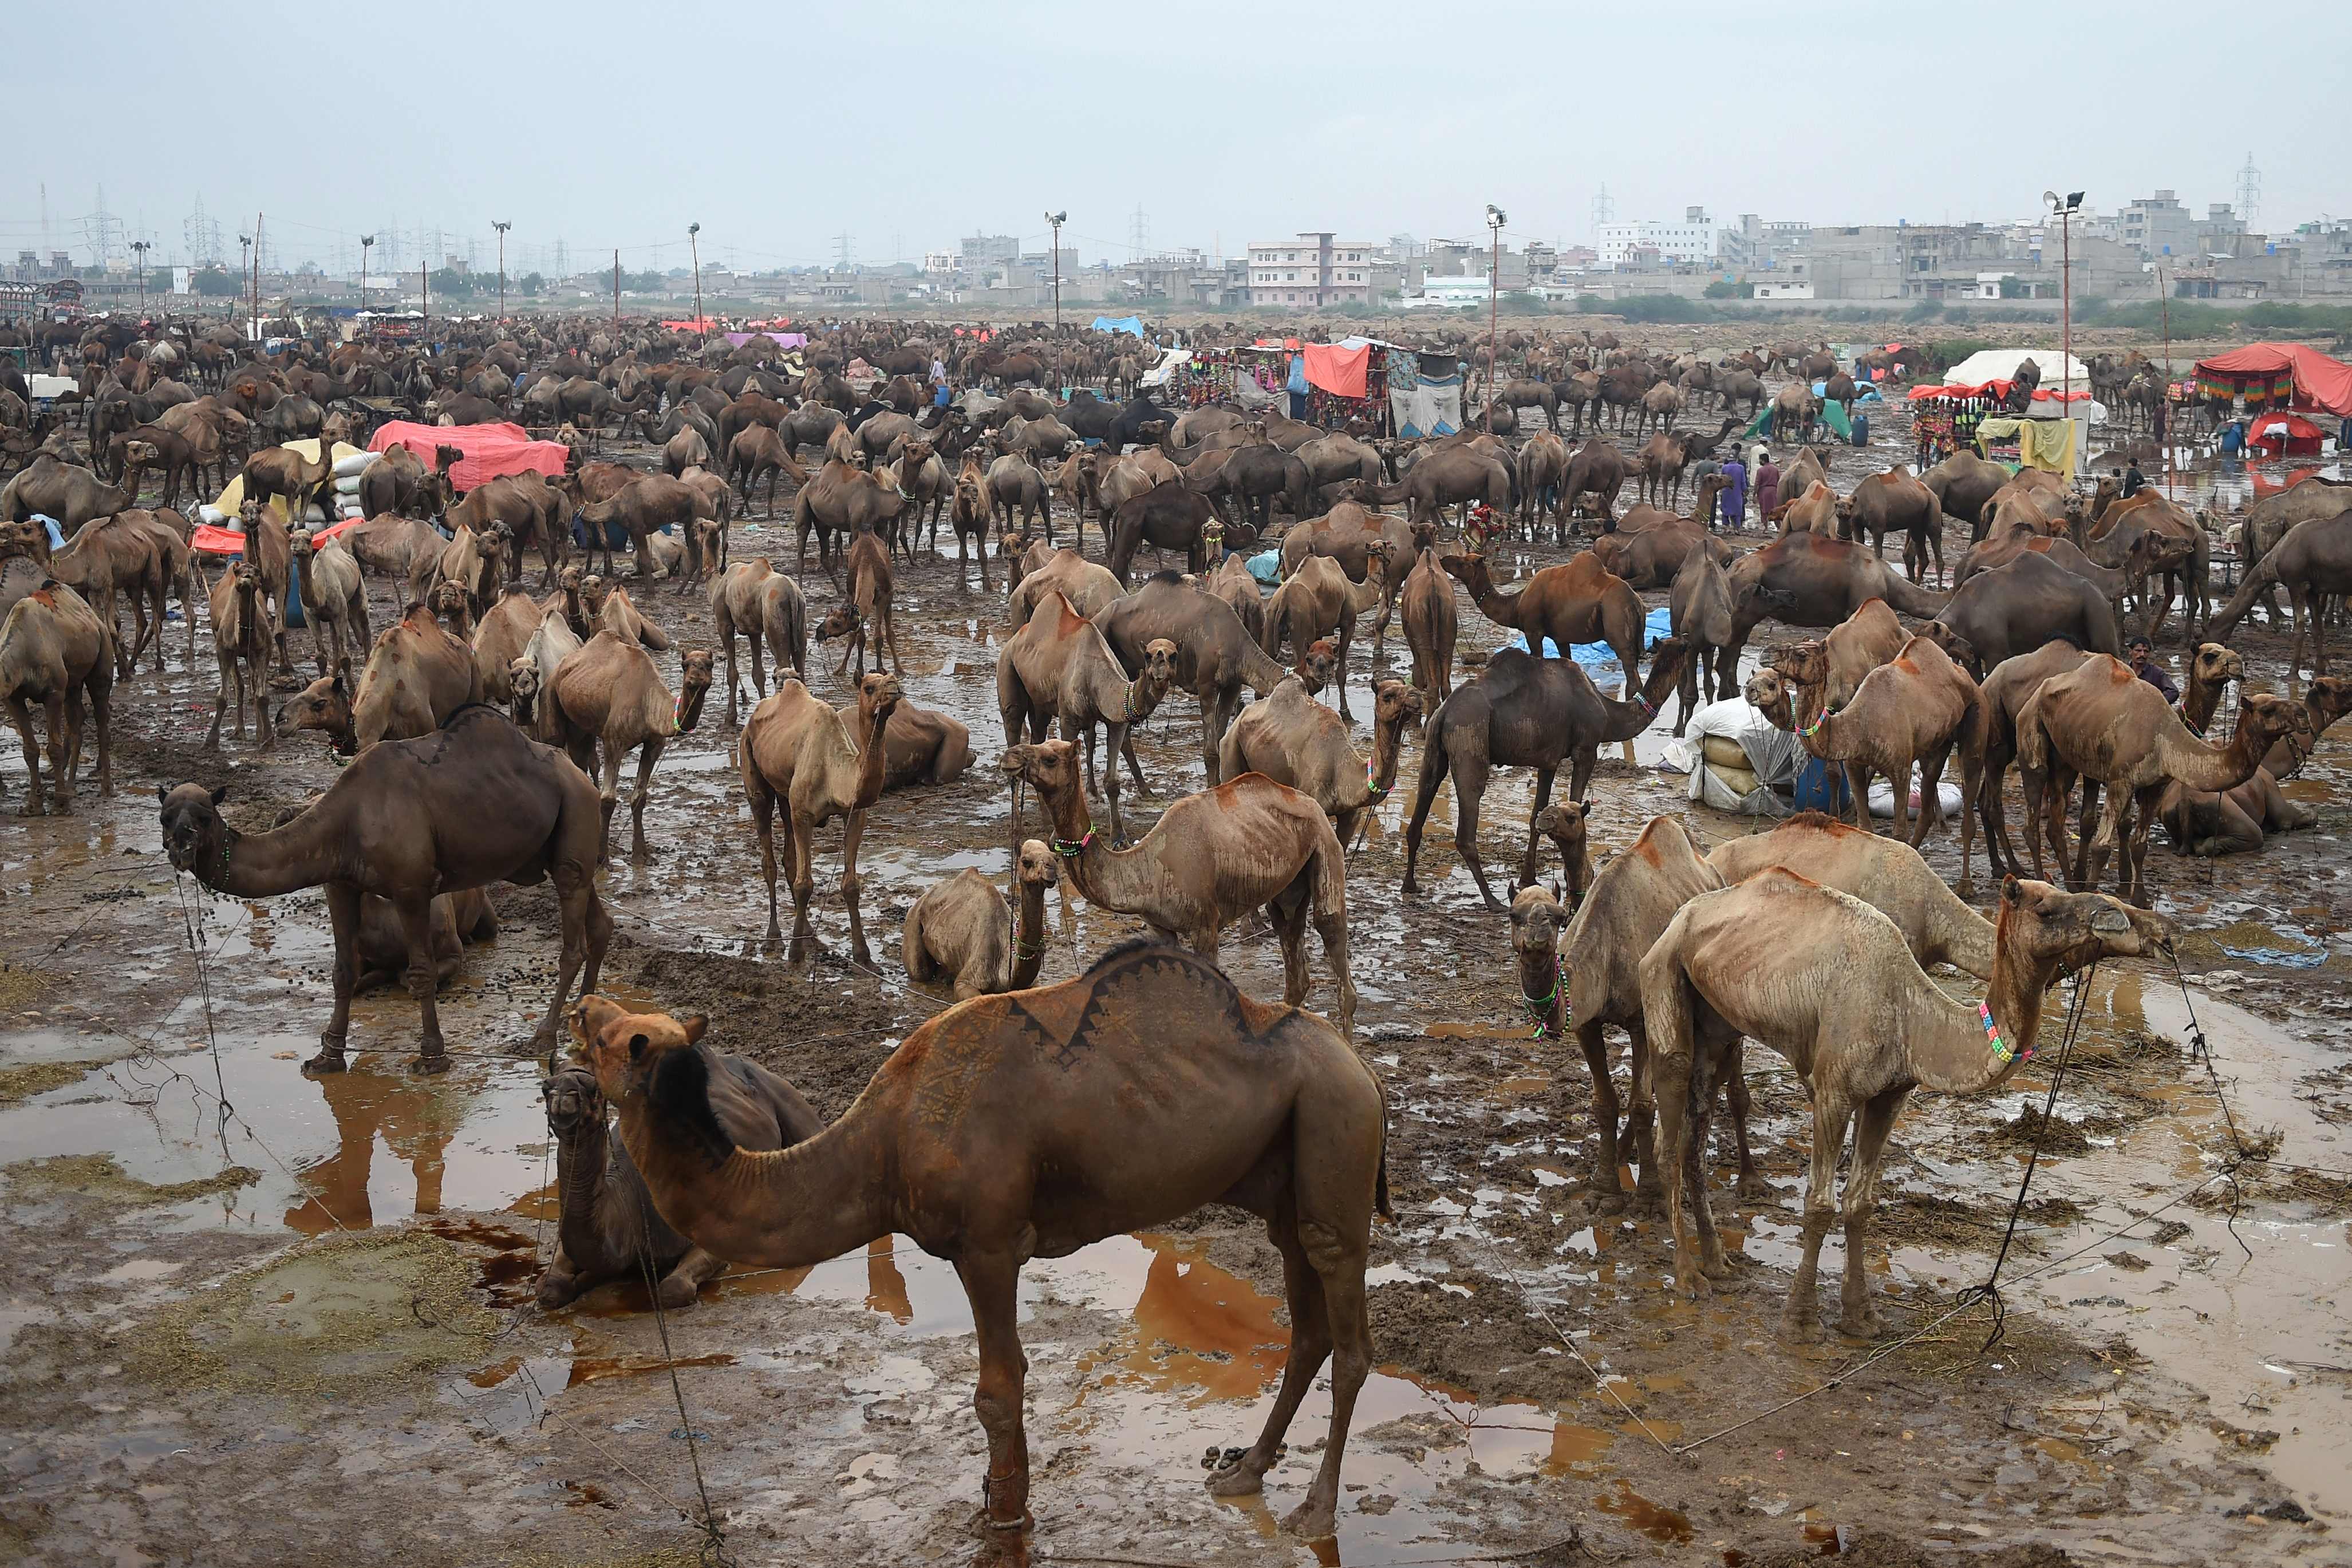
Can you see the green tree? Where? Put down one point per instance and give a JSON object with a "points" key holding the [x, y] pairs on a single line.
{"points": [[450, 284], [217, 283], [1724, 289], [530, 282]]}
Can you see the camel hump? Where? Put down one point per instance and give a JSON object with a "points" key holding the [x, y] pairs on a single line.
{"points": [[1819, 822], [1121, 953], [1660, 834], [465, 711]]}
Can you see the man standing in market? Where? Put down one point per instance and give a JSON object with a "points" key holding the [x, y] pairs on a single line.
{"points": [[1735, 493], [2139, 653], [1767, 482]]}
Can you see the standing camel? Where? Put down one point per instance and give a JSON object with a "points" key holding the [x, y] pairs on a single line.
{"points": [[241, 643], [1057, 666], [474, 803], [611, 694], [868, 603], [1293, 739], [54, 651], [1581, 601], [334, 599], [1827, 981], [1029, 1126], [1426, 605], [1318, 601], [741, 600], [797, 751], [1210, 859]]}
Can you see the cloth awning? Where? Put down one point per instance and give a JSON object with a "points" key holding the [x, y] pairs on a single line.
{"points": [[1996, 389], [1337, 370], [490, 449], [2318, 382], [1132, 325]]}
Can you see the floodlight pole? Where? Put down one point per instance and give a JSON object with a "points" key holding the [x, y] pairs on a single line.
{"points": [[692, 230], [142, 248], [1057, 220], [502, 266], [1494, 303], [367, 242]]}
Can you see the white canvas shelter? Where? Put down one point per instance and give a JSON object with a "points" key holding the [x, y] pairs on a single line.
{"points": [[2000, 365]]}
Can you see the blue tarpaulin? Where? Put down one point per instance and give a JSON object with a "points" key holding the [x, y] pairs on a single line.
{"points": [[1132, 324], [1266, 567], [1658, 624]]}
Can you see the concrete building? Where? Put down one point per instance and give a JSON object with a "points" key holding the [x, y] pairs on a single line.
{"points": [[1751, 244], [2158, 226], [1313, 270], [980, 252], [1691, 243]]}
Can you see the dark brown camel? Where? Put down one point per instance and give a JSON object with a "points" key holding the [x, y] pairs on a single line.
{"points": [[1829, 580], [1581, 601]]}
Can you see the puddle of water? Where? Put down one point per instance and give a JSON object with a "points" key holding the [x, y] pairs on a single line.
{"points": [[1639, 1513]]}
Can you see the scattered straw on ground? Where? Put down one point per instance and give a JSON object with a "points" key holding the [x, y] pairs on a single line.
{"points": [[2053, 1134], [97, 1177], [324, 1318], [19, 985], [26, 1079]]}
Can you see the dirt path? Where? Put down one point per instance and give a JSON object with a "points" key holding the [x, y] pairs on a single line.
{"points": [[178, 1373]]}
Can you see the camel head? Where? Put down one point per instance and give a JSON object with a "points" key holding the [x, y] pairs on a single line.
{"points": [[626, 1049], [2073, 929], [449, 601], [570, 579], [1537, 924], [839, 622], [1470, 570], [1564, 823], [324, 705], [1048, 765], [2329, 697], [1770, 692], [2264, 720], [193, 830], [1804, 663], [878, 695], [1159, 666], [1424, 534], [2212, 666], [1963, 652], [523, 676], [2158, 552], [26, 538], [248, 512], [298, 544], [574, 1103], [1037, 867], [1319, 665], [1396, 704], [693, 684], [592, 593]]}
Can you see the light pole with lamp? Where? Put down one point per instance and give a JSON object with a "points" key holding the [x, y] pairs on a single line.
{"points": [[245, 275], [502, 265], [367, 244], [1057, 220], [695, 245], [2066, 208], [1495, 219]]}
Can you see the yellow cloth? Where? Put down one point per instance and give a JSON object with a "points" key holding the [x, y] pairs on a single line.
{"points": [[233, 496], [2048, 444]]}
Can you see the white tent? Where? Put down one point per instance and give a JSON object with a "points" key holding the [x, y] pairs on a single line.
{"points": [[2000, 365]]}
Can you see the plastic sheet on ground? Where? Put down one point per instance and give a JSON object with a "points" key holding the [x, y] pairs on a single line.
{"points": [[1773, 754], [1266, 567], [1657, 623]]}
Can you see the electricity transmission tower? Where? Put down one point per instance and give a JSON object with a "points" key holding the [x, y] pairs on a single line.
{"points": [[1604, 211], [2249, 193]]}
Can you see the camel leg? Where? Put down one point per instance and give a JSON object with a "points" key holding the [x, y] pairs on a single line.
{"points": [[1670, 1066], [680, 1286], [343, 914], [1706, 1069], [2094, 849], [1640, 1140], [1338, 1257], [851, 834], [1753, 1187], [416, 925], [1832, 1112], [2144, 802], [647, 755], [21, 712], [763, 825], [889, 632], [1608, 1196], [1931, 808], [800, 849], [1310, 1346], [1126, 748], [1469, 791], [1856, 1315], [992, 1283], [1216, 713], [1288, 912], [1544, 777], [560, 1285]]}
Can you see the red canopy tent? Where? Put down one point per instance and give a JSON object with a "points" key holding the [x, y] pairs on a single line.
{"points": [[1995, 389], [2318, 384], [2288, 435]]}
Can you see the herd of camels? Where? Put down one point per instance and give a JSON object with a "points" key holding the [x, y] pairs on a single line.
{"points": [[482, 737]]}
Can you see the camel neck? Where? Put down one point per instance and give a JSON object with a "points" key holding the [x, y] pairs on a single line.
{"points": [[1627, 717], [583, 1192], [1029, 936], [1961, 1048], [299, 855], [1543, 992], [871, 760], [2200, 766], [1387, 752], [1502, 608], [2198, 699]]}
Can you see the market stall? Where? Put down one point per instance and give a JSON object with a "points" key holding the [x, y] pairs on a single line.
{"points": [[2277, 376]]}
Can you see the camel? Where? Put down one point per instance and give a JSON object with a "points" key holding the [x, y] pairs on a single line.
{"points": [[532, 674], [1916, 708], [139, 557], [474, 561], [474, 803], [1704, 611], [1233, 583], [606, 1229], [1831, 579], [56, 651], [239, 610], [2118, 527], [1267, 1108], [67, 491], [1582, 971], [1013, 484], [1087, 587], [961, 931], [1814, 510], [1886, 873], [1058, 666], [1214, 656], [868, 603], [268, 546], [820, 765], [1431, 625], [2100, 723], [1649, 546], [2016, 608], [1894, 501], [457, 918], [1295, 741], [970, 517], [1826, 981], [2326, 698], [2268, 520], [1564, 823], [1525, 712], [1864, 640], [840, 499], [417, 676], [610, 694], [2314, 560], [1962, 484], [282, 471], [1212, 858], [1542, 464], [500, 638], [1345, 533], [922, 745], [392, 545], [742, 597], [335, 599], [1318, 601], [1581, 601], [608, 605]]}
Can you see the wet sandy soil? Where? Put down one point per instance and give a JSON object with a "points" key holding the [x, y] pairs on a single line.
{"points": [[306, 1326]]}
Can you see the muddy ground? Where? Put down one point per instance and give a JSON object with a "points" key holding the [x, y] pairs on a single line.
{"points": [[305, 1328]]}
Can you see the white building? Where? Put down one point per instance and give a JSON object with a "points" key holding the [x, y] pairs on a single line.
{"points": [[1691, 243], [1783, 288], [1314, 269]]}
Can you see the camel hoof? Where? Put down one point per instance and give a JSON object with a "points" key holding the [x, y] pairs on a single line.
{"points": [[1801, 1325], [676, 1294], [1754, 1188], [31, 809], [1311, 1520], [1236, 1480], [324, 1063], [1695, 1285], [1609, 1202], [554, 1294], [429, 1063], [1867, 1325]]}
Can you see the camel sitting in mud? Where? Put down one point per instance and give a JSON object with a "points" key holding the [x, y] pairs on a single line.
{"points": [[417, 675], [1293, 739], [474, 803], [456, 919], [960, 930], [797, 751], [607, 1228], [610, 696], [1827, 981], [1210, 859], [56, 651], [1022, 1126], [1318, 601]]}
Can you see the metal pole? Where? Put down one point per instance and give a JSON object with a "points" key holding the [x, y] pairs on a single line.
{"points": [[502, 267], [1494, 305], [425, 295], [692, 230], [616, 289]]}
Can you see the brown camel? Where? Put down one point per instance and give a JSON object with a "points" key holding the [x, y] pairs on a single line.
{"points": [[1345, 533], [1317, 601], [606, 1229], [528, 677], [1894, 502], [1813, 511], [56, 652], [1916, 708], [282, 471], [1651, 546], [239, 609], [960, 930], [610, 607], [1088, 586], [1524, 711], [457, 918], [1581, 601], [1233, 583], [1860, 643], [868, 603], [819, 765], [1830, 578], [2116, 527], [129, 554], [1293, 739], [333, 598], [610, 694], [1210, 859], [2100, 723], [1214, 656], [500, 638], [417, 676], [1170, 1090], [1886, 873], [474, 803], [475, 562], [840, 499], [1431, 621], [2233, 821], [1827, 981], [2314, 561], [1565, 823], [1702, 610], [1058, 666], [741, 599]]}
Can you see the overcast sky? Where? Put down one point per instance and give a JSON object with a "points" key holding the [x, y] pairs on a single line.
{"points": [[908, 126]]}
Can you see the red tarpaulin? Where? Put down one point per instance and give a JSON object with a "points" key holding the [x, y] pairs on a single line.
{"points": [[1337, 370], [490, 449], [2288, 434], [2320, 384], [1994, 390], [206, 539]]}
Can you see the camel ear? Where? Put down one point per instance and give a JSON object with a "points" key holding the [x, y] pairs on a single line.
{"points": [[693, 1024], [220, 794], [637, 1044], [163, 794]]}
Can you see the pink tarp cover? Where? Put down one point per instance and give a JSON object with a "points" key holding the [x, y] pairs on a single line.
{"points": [[490, 449], [783, 339], [1337, 370], [207, 539]]}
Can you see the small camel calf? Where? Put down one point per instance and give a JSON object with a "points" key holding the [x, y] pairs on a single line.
{"points": [[868, 604]]}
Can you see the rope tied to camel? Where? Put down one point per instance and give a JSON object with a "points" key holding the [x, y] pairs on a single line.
{"points": [[1068, 849], [1374, 789], [1131, 704], [1539, 1008], [2181, 708], [1814, 728]]}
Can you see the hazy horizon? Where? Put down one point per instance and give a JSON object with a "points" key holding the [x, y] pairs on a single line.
{"points": [[905, 134]]}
